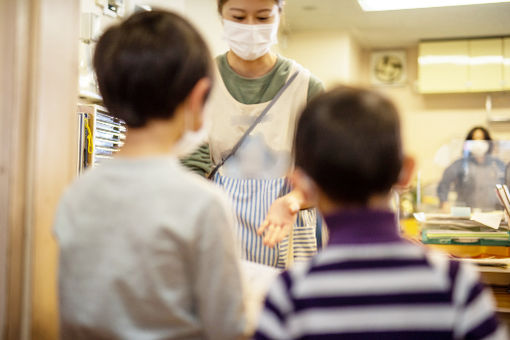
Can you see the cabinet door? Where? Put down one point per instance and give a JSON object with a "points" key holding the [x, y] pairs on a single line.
{"points": [[485, 71], [443, 66], [506, 63]]}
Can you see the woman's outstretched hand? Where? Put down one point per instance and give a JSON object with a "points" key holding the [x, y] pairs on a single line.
{"points": [[280, 219]]}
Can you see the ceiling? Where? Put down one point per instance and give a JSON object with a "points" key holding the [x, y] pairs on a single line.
{"points": [[398, 28]]}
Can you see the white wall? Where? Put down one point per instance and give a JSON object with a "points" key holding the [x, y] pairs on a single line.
{"points": [[202, 13], [428, 121], [331, 56]]}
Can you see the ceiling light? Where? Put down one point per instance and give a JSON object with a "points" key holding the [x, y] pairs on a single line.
{"points": [[392, 5]]}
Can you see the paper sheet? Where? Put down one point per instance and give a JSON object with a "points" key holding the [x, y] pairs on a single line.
{"points": [[490, 219]]}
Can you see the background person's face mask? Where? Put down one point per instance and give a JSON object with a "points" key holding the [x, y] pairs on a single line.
{"points": [[250, 42], [477, 148]]}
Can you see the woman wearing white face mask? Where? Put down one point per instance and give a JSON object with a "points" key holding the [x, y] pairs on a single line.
{"points": [[475, 175], [252, 78]]}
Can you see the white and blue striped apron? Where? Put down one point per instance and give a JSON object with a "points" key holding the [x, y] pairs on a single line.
{"points": [[251, 200], [252, 197]]}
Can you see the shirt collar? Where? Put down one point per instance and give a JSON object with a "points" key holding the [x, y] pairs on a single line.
{"points": [[362, 226]]}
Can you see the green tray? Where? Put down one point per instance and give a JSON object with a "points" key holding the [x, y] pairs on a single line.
{"points": [[456, 241]]}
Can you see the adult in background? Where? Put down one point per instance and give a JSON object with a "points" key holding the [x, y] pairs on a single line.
{"points": [[474, 176]]}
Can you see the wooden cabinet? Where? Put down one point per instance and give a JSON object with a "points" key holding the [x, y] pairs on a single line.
{"points": [[443, 66], [474, 65], [506, 63], [485, 65]]}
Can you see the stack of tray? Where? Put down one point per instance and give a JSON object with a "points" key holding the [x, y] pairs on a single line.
{"points": [[486, 229]]}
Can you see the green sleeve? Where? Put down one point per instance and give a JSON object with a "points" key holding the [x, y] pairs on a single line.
{"points": [[199, 161], [315, 87]]}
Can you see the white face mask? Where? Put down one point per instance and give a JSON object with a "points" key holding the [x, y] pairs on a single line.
{"points": [[477, 148], [190, 140], [250, 42]]}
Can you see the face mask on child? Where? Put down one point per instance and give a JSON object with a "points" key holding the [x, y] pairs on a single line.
{"points": [[477, 148], [191, 140], [250, 42]]}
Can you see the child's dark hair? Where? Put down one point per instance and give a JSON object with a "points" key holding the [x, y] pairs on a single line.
{"points": [[348, 141], [147, 65]]}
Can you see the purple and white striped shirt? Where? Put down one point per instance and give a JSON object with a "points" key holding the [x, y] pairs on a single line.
{"points": [[369, 283]]}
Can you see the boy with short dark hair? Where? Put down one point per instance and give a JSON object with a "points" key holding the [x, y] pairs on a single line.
{"points": [[368, 283], [146, 248]]}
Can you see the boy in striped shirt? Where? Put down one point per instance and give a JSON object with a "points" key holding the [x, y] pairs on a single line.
{"points": [[368, 283]]}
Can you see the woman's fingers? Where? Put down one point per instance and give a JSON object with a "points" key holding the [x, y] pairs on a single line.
{"points": [[275, 234], [284, 232], [263, 227], [268, 235]]}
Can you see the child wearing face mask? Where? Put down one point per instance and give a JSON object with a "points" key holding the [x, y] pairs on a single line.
{"points": [[146, 248], [475, 175], [252, 166]]}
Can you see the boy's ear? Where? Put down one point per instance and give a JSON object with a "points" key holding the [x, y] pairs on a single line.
{"points": [[407, 171], [302, 183], [196, 101]]}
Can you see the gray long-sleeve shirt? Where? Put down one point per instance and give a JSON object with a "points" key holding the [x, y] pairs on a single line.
{"points": [[474, 182], [147, 252]]}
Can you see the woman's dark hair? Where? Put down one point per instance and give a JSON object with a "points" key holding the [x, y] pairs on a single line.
{"points": [[486, 136], [221, 3], [348, 141], [147, 65]]}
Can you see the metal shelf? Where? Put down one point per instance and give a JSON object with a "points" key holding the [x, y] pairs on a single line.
{"points": [[101, 135]]}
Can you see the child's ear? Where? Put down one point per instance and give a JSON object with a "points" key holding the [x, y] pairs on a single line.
{"points": [[304, 185], [196, 101], [407, 171]]}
